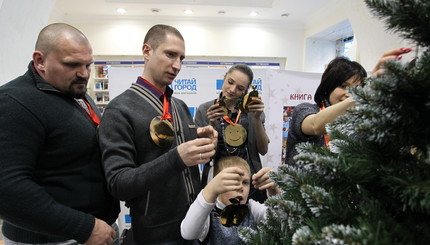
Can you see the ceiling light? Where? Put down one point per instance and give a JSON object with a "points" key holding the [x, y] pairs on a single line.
{"points": [[188, 11], [121, 10], [253, 13]]}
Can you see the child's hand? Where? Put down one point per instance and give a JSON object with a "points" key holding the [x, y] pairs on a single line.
{"points": [[228, 179], [261, 181]]}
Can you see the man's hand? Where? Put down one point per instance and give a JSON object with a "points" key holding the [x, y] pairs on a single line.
{"points": [[197, 151], [208, 132], [102, 234]]}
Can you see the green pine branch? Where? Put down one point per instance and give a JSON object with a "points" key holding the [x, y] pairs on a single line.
{"points": [[409, 18]]}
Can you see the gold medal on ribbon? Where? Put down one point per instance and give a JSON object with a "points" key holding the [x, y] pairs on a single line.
{"points": [[247, 99], [233, 214], [221, 102], [235, 135], [161, 131]]}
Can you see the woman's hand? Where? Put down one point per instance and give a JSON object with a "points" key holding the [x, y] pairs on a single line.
{"points": [[215, 112], [256, 106], [394, 54]]}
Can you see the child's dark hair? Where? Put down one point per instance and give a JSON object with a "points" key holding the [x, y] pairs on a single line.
{"points": [[231, 161]]}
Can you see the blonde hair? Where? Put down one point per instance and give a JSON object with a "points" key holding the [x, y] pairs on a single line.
{"points": [[231, 161]]}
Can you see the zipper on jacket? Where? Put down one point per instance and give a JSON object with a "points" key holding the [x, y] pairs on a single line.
{"points": [[147, 203], [189, 186]]}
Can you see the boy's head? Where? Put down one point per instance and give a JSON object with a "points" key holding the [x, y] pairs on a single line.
{"points": [[235, 161], [231, 161]]}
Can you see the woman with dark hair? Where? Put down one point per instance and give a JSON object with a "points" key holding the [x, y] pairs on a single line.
{"points": [[240, 130], [339, 74], [332, 100], [308, 120]]}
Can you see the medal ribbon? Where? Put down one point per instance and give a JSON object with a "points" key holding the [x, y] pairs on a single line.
{"points": [[227, 119], [326, 136], [92, 114], [166, 106]]}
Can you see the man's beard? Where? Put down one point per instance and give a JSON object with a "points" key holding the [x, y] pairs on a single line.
{"points": [[79, 95], [76, 90]]}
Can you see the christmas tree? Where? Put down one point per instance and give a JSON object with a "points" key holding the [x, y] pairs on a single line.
{"points": [[373, 185]]}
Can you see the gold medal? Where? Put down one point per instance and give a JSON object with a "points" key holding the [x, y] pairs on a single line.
{"points": [[221, 102], [235, 135], [161, 131], [233, 214], [247, 99]]}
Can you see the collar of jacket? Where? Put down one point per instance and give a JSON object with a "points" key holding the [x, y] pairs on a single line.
{"points": [[40, 83]]}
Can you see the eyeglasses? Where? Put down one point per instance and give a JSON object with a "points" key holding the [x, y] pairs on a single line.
{"points": [[233, 214]]}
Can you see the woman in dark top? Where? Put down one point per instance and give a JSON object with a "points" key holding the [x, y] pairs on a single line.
{"points": [[240, 132], [308, 120]]}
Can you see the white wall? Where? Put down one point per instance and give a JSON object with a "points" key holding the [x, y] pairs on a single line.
{"points": [[201, 39], [318, 54], [370, 34], [330, 15], [19, 25]]}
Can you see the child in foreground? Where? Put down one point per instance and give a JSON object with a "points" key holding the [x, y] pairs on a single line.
{"points": [[230, 185]]}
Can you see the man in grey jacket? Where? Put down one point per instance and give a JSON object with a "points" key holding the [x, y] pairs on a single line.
{"points": [[150, 145]]}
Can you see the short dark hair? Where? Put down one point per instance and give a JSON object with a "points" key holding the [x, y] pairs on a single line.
{"points": [[337, 72], [244, 69], [157, 34], [50, 37]]}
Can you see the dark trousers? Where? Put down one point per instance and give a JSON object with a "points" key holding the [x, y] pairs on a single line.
{"points": [[127, 239]]}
